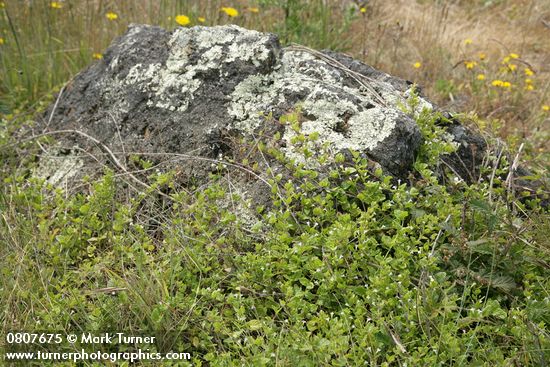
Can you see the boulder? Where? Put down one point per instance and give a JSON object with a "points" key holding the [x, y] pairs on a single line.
{"points": [[185, 91]]}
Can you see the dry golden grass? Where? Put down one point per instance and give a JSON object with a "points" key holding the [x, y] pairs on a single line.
{"points": [[394, 35]]}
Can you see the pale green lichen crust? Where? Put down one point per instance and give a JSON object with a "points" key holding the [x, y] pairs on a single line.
{"points": [[325, 101], [172, 86], [57, 169]]}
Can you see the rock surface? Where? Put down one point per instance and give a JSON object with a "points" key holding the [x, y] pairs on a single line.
{"points": [[157, 91]]}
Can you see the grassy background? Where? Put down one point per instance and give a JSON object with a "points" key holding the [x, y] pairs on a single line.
{"points": [[347, 267]]}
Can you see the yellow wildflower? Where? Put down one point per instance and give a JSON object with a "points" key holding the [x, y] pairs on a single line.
{"points": [[482, 56], [201, 19], [231, 12], [111, 16], [506, 85], [254, 10], [363, 10], [468, 41], [97, 56], [529, 87], [1, 41], [480, 77], [470, 64], [514, 56], [417, 65], [497, 83], [512, 67], [528, 72], [546, 108], [56, 5], [506, 60], [182, 20]]}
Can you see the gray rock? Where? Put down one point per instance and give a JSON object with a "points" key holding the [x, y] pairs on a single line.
{"points": [[188, 90]]}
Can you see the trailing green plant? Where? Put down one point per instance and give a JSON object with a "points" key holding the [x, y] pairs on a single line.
{"points": [[348, 266]]}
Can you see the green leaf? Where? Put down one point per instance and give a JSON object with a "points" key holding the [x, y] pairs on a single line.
{"points": [[254, 325], [492, 309]]}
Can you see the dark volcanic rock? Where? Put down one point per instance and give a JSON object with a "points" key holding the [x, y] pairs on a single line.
{"points": [[469, 155], [186, 90], [159, 91]]}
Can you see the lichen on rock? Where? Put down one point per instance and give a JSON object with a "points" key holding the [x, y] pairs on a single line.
{"points": [[158, 91], [58, 168], [342, 113], [193, 52]]}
